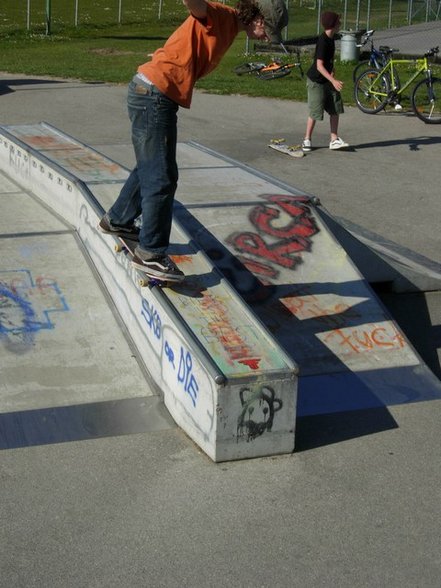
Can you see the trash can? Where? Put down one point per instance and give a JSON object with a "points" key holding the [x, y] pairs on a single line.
{"points": [[348, 45]]}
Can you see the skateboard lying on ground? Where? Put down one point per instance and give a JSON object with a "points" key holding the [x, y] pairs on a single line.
{"points": [[129, 245], [282, 146]]}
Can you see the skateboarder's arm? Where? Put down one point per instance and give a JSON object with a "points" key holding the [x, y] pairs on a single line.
{"points": [[198, 8], [338, 84]]}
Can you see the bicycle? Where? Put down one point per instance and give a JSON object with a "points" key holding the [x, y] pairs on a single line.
{"points": [[375, 89], [268, 71], [377, 57]]}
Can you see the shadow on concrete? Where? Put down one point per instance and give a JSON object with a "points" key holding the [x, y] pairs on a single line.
{"points": [[7, 86], [414, 143], [84, 421], [320, 430], [424, 336]]}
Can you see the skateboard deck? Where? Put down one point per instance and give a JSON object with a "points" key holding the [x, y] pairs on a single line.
{"points": [[282, 146], [129, 246]]}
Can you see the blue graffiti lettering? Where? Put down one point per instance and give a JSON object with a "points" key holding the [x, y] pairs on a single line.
{"points": [[25, 306], [169, 354], [23, 321], [152, 318], [186, 377]]}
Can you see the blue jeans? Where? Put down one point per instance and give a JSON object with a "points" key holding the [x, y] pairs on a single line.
{"points": [[150, 188]]}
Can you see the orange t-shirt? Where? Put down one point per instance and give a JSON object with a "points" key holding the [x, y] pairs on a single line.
{"points": [[192, 51]]}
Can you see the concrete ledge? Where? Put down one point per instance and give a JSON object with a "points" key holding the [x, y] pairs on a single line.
{"points": [[223, 377]]}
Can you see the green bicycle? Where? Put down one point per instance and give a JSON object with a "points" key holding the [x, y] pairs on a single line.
{"points": [[375, 89]]}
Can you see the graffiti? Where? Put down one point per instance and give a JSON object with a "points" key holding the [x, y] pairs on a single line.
{"points": [[26, 305], [19, 161], [184, 373], [186, 376], [17, 317], [276, 244], [44, 141], [81, 160], [282, 229], [169, 354], [89, 165], [152, 318], [258, 409], [329, 310], [191, 390], [219, 325], [367, 338]]}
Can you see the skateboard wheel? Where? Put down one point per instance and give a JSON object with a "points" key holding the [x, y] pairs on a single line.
{"points": [[118, 248], [143, 282]]}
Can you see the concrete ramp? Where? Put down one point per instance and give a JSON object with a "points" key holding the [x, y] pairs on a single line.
{"points": [[281, 256], [223, 377]]}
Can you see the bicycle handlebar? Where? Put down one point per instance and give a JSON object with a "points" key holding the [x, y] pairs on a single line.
{"points": [[367, 35], [432, 52]]}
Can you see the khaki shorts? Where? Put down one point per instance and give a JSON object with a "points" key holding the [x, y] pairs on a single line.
{"points": [[321, 98]]}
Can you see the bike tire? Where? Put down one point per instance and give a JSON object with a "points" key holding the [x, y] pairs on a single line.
{"points": [[365, 65], [274, 73], [371, 91], [356, 72], [246, 68], [426, 101]]}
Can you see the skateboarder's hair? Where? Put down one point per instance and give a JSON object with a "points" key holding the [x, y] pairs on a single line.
{"points": [[247, 11]]}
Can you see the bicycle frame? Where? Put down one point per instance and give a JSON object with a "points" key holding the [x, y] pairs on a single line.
{"points": [[376, 58], [421, 66]]}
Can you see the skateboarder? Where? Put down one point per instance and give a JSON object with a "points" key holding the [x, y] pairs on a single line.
{"points": [[156, 92]]}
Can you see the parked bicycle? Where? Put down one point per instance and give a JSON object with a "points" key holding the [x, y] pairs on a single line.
{"points": [[269, 71], [375, 89], [377, 57]]}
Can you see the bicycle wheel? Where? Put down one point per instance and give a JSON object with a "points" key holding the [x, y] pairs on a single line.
{"points": [[272, 74], [371, 91], [359, 68], [426, 101], [246, 68]]}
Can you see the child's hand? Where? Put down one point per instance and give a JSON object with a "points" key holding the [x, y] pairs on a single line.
{"points": [[338, 85]]}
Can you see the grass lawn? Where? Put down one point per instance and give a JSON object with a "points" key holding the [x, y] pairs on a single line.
{"points": [[112, 54]]}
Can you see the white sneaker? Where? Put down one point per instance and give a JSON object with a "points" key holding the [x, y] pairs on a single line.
{"points": [[338, 143], [306, 145], [398, 107]]}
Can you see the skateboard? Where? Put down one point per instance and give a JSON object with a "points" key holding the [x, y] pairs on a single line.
{"points": [[129, 245], [283, 147]]}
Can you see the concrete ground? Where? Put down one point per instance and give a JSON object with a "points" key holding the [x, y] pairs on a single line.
{"points": [[357, 504]]}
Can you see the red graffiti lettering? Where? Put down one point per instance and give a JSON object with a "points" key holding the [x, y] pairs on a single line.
{"points": [[301, 227], [379, 339], [278, 253], [251, 363]]}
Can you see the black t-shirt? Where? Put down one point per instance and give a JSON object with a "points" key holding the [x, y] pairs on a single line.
{"points": [[324, 50]]}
